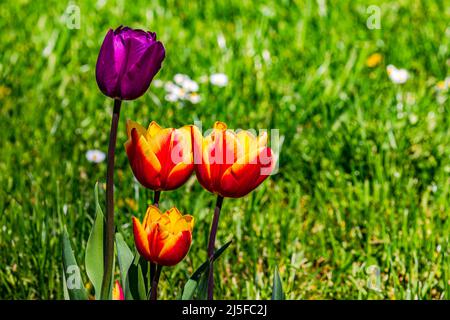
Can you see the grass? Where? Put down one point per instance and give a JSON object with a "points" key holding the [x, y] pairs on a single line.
{"points": [[364, 168]]}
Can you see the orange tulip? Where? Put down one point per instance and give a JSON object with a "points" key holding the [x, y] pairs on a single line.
{"points": [[163, 238], [161, 159], [231, 164], [117, 292]]}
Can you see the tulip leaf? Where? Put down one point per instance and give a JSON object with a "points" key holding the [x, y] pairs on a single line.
{"points": [[145, 268], [277, 288], [198, 282], [94, 249], [65, 290], [72, 276], [125, 259], [136, 289], [202, 289]]}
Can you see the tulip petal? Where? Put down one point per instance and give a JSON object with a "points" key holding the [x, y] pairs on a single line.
{"points": [[110, 63], [201, 159], [134, 125], [174, 215], [156, 241], [245, 175], [141, 70], [220, 126], [141, 239], [144, 163], [175, 249], [117, 292], [152, 215], [153, 130], [246, 141], [160, 144], [184, 223], [178, 175]]}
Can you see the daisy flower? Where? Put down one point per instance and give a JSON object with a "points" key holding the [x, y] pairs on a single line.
{"points": [[443, 85], [219, 79], [182, 88], [194, 98], [95, 156], [398, 76]]}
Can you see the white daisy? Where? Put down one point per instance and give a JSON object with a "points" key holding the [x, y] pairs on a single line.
{"points": [[190, 85], [95, 156], [179, 78], [443, 85], [170, 86], [219, 79], [171, 97], [398, 76], [194, 98], [184, 88]]}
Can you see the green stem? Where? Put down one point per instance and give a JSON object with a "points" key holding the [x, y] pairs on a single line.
{"points": [[108, 245]]}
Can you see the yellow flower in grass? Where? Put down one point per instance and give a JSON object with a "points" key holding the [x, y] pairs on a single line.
{"points": [[373, 60]]}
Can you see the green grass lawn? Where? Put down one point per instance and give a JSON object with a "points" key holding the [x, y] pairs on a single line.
{"points": [[363, 181]]}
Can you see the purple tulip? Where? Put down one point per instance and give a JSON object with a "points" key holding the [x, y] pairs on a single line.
{"points": [[127, 62]]}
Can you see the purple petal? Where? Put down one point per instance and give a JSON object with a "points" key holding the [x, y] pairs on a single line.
{"points": [[139, 75], [109, 64]]}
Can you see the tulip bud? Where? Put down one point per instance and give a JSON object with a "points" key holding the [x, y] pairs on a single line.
{"points": [[127, 62], [163, 238], [117, 292]]}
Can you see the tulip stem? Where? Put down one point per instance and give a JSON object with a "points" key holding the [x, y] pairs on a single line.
{"points": [[212, 240], [155, 281], [156, 204], [108, 245], [156, 198]]}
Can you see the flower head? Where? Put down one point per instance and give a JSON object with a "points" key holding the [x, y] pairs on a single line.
{"points": [[117, 292], [398, 76], [161, 159], [230, 163], [127, 62], [163, 238], [182, 88], [219, 79], [95, 156], [373, 60], [443, 85]]}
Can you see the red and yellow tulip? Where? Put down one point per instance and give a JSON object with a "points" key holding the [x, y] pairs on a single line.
{"points": [[117, 292], [231, 164], [161, 159], [163, 238]]}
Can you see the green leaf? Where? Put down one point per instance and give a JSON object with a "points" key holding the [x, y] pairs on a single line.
{"points": [[277, 288], [136, 289], [198, 282], [125, 259], [202, 289], [65, 290], [72, 276], [94, 249]]}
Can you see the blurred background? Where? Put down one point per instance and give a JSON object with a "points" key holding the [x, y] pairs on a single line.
{"points": [[359, 91]]}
